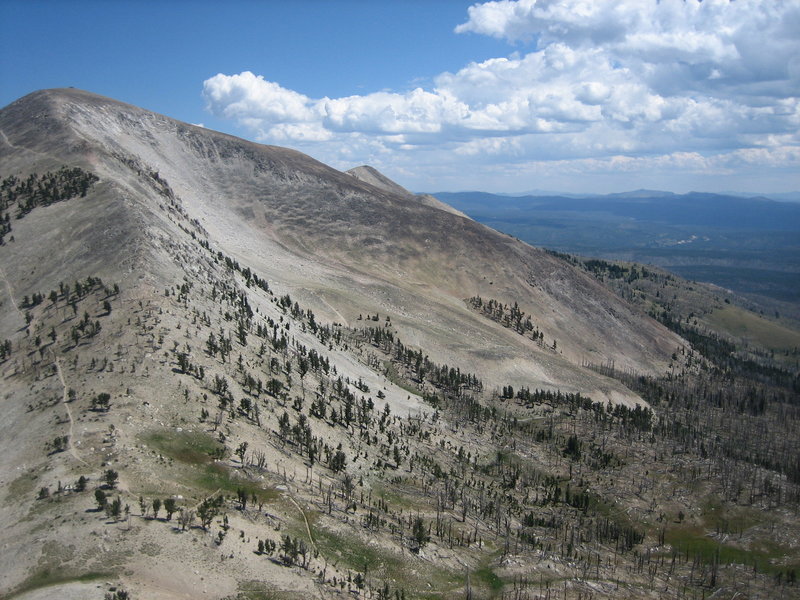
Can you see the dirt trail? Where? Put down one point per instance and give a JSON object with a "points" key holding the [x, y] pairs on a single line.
{"points": [[14, 147], [8, 142], [11, 293], [57, 363], [65, 401], [333, 308], [308, 531], [308, 527], [196, 506]]}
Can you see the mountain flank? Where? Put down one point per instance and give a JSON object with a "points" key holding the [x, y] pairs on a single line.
{"points": [[230, 370], [319, 229]]}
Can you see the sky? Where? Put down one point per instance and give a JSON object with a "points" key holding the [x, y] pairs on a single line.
{"points": [[580, 96]]}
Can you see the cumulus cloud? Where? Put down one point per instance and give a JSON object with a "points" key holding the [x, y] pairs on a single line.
{"points": [[673, 45], [613, 81], [247, 96]]}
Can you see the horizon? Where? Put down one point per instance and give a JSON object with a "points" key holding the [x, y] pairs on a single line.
{"points": [[537, 192], [495, 96]]}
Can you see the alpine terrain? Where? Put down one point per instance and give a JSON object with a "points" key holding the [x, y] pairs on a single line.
{"points": [[231, 371]]}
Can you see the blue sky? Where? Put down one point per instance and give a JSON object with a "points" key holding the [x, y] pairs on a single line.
{"points": [[571, 95]]}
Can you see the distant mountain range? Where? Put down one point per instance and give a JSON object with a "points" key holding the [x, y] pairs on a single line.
{"points": [[779, 196], [748, 244], [694, 208]]}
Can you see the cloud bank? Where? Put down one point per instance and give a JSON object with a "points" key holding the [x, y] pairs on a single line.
{"points": [[604, 84]]}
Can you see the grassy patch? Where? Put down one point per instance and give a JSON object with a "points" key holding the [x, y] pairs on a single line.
{"points": [[400, 496], [219, 477], [22, 488], [489, 579], [383, 565], [397, 379], [257, 590], [49, 577], [355, 554], [197, 450], [692, 540], [734, 519], [741, 323], [193, 448]]}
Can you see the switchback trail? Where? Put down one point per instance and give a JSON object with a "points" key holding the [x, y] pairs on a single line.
{"points": [[308, 531], [196, 506], [14, 147], [65, 401], [305, 519], [11, 293]]}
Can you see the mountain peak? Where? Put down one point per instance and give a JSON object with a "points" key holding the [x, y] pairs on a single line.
{"points": [[372, 176]]}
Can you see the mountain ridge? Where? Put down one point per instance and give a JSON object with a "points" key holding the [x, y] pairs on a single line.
{"points": [[340, 223], [786, 197], [229, 370]]}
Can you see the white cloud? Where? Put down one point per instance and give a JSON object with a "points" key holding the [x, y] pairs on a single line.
{"points": [[612, 81], [247, 96], [416, 112]]}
